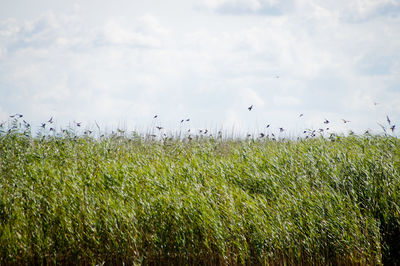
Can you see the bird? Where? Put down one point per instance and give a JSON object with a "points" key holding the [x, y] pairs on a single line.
{"points": [[281, 129], [79, 124], [375, 103], [50, 120], [268, 125], [159, 128], [182, 120], [155, 116], [345, 121], [262, 135], [326, 121], [301, 115], [187, 120], [43, 125], [19, 115], [27, 124], [387, 118], [393, 127], [250, 107]]}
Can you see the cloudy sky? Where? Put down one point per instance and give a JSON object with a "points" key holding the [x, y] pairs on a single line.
{"points": [[119, 63]]}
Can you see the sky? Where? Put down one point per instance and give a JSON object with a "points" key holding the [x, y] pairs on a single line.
{"points": [[119, 63]]}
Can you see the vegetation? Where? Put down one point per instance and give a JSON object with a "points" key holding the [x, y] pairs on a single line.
{"points": [[73, 199]]}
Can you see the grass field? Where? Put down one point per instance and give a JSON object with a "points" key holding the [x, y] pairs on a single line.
{"points": [[74, 199]]}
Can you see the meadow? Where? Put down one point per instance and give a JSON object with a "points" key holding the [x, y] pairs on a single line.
{"points": [[134, 199]]}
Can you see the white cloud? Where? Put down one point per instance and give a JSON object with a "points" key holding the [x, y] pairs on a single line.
{"points": [[352, 11], [309, 59], [267, 7], [148, 33]]}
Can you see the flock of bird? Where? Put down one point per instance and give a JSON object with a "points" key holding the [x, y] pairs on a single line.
{"points": [[205, 131], [281, 129]]}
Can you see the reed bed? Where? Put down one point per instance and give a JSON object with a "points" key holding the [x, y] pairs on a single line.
{"points": [[73, 199]]}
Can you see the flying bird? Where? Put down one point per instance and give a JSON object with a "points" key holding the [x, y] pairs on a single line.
{"points": [[345, 121], [19, 115], [268, 125], [387, 118], [281, 129], [301, 115], [159, 128], [182, 121], [262, 135], [50, 120], [187, 120], [155, 116], [393, 127], [250, 107], [326, 121], [43, 125]]}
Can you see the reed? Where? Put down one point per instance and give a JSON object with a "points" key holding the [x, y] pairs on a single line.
{"points": [[135, 199]]}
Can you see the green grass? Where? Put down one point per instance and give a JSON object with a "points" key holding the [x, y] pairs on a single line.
{"points": [[72, 199]]}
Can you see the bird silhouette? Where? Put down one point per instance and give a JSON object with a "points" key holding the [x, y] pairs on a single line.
{"points": [[301, 115], [326, 121], [50, 120], [155, 116], [345, 121], [393, 127], [250, 107], [387, 118]]}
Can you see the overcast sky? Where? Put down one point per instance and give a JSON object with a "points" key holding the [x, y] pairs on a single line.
{"points": [[119, 63]]}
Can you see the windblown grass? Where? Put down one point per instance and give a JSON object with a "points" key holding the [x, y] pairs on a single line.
{"points": [[72, 199]]}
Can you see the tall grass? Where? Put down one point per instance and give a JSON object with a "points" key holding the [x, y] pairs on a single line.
{"points": [[68, 199]]}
